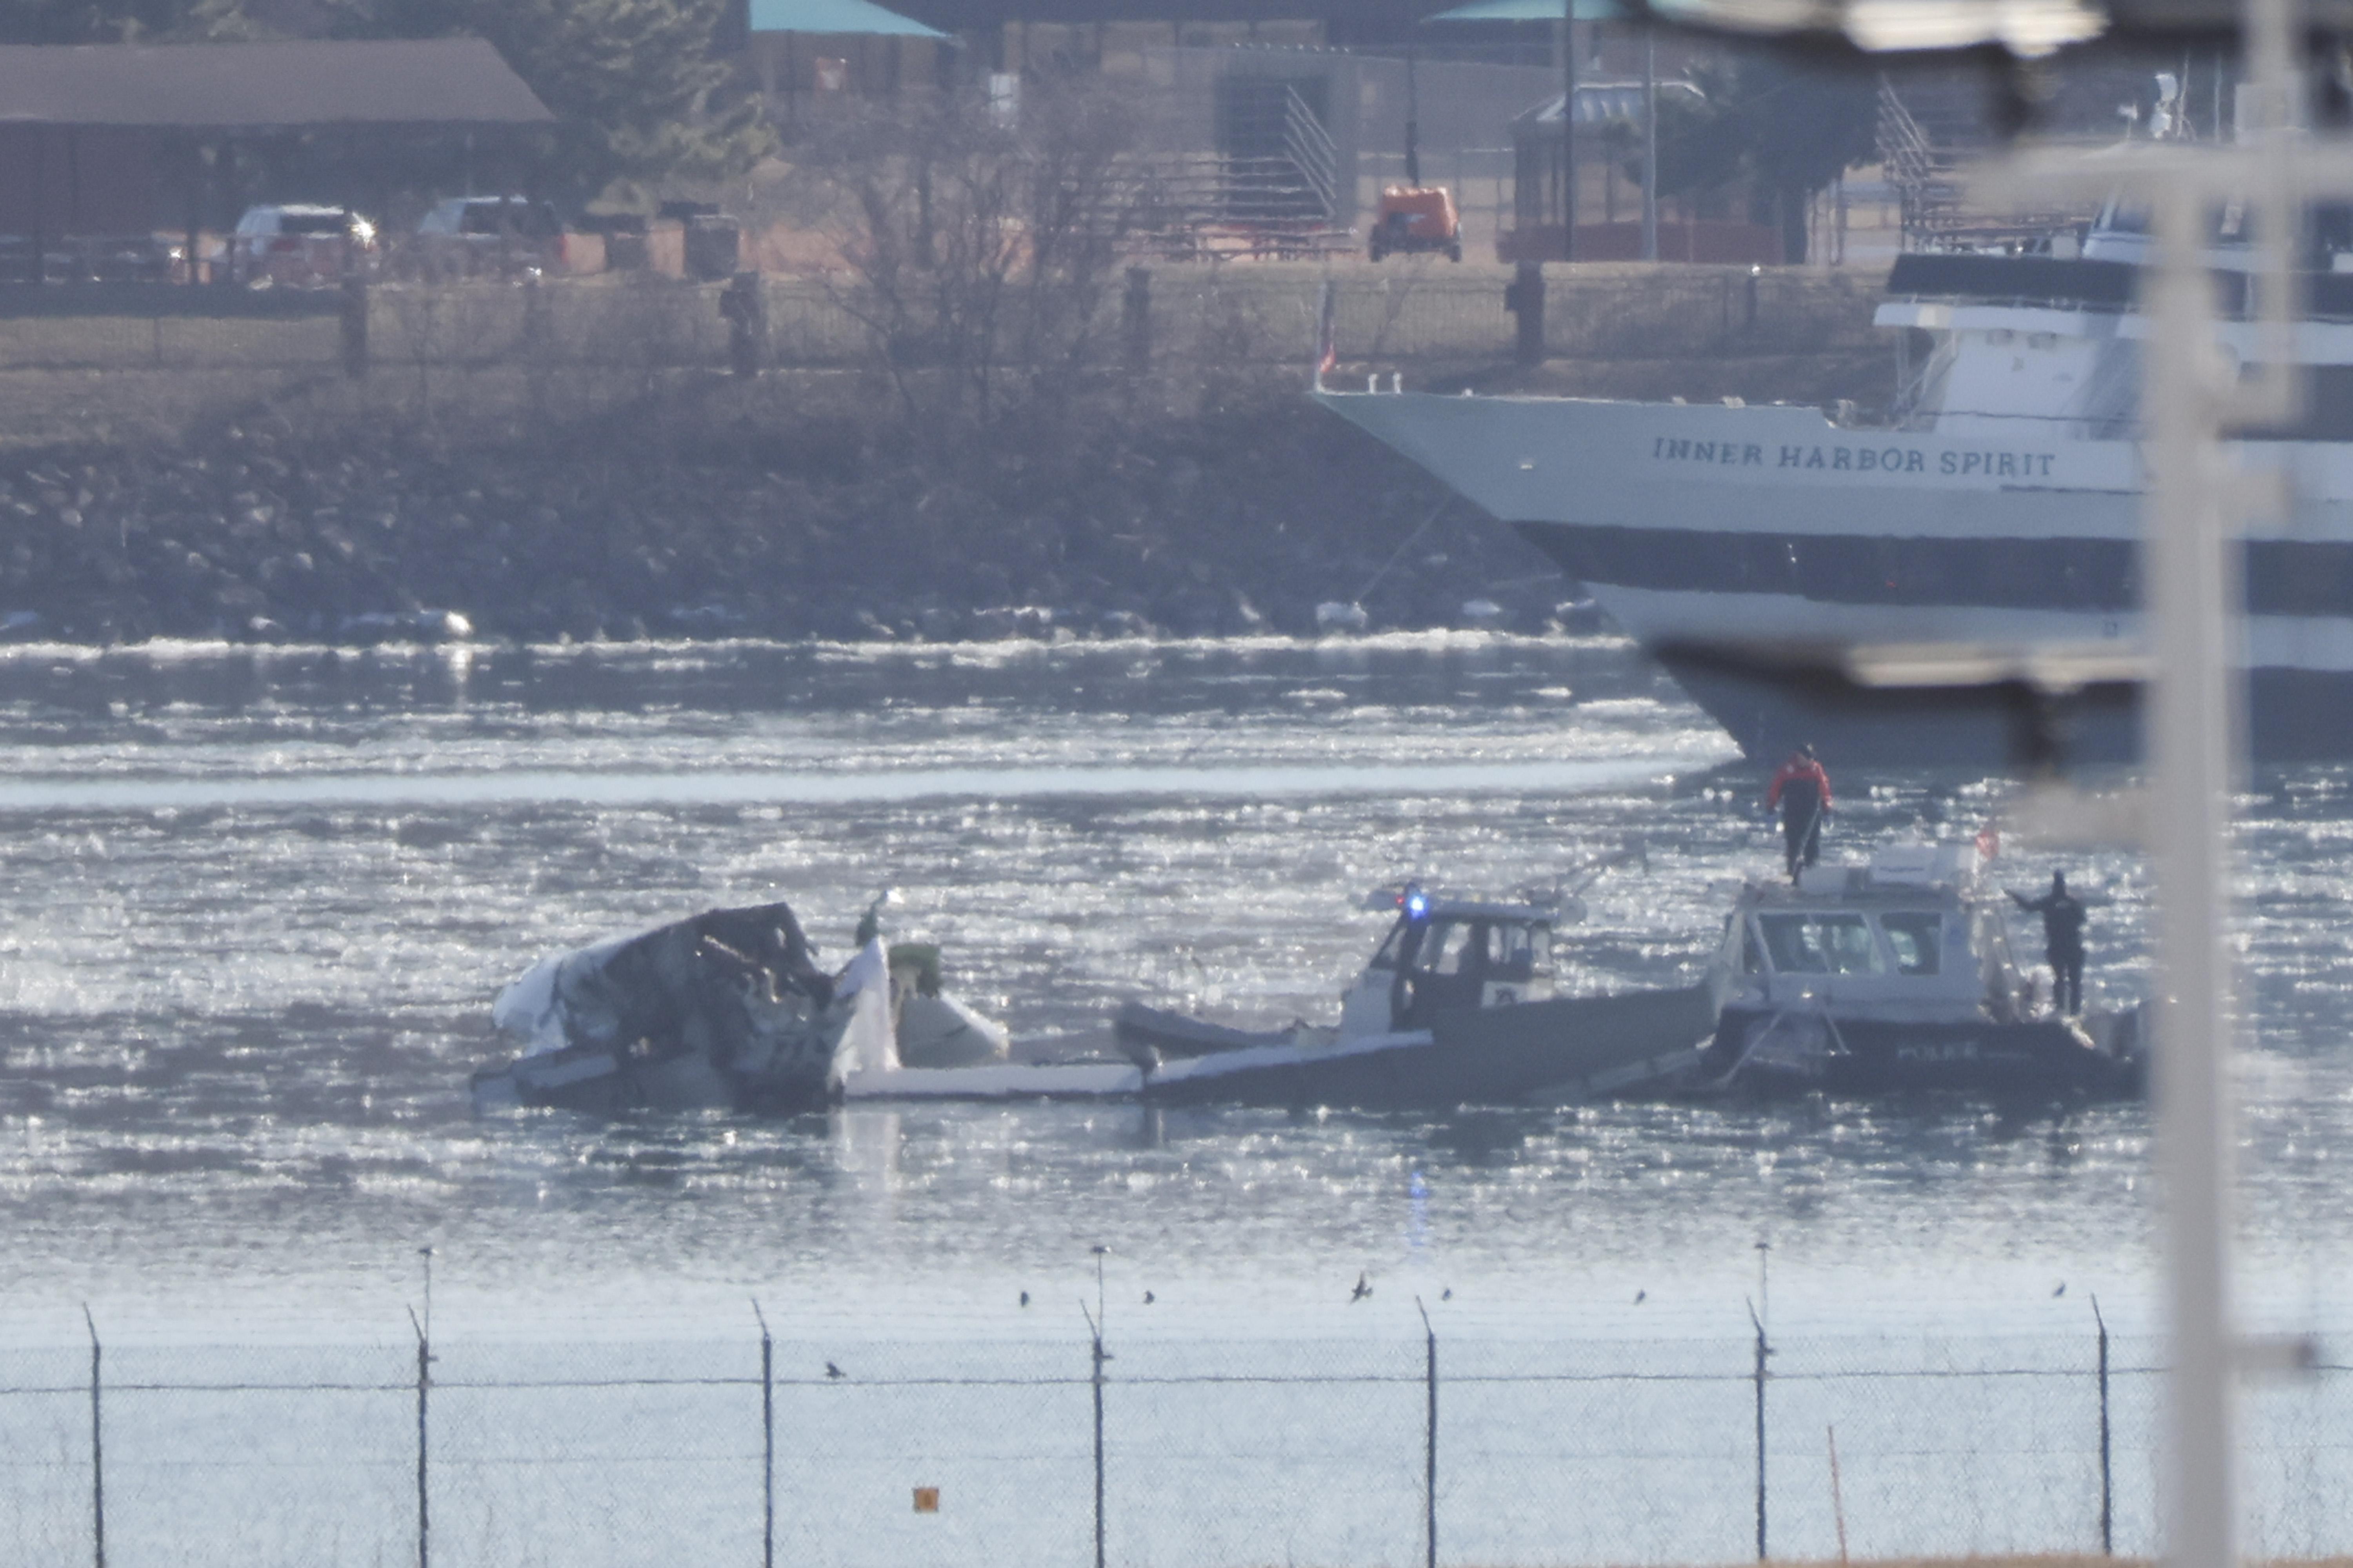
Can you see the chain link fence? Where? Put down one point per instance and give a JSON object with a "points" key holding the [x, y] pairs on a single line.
{"points": [[1146, 1454]]}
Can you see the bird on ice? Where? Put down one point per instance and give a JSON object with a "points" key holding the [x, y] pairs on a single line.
{"points": [[1364, 1288], [833, 1371]]}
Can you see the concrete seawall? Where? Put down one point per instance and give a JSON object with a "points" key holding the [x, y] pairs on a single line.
{"points": [[572, 459]]}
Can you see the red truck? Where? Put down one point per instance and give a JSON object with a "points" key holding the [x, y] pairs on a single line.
{"points": [[1416, 217]]}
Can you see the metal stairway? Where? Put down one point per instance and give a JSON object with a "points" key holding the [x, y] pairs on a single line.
{"points": [[1930, 132], [1276, 193]]}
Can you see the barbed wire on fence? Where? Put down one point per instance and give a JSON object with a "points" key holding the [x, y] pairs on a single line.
{"points": [[1469, 1450]]}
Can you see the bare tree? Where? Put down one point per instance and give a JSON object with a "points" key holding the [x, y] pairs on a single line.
{"points": [[981, 243]]}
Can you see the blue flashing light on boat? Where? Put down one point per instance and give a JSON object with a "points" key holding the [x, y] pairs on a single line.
{"points": [[1416, 904]]}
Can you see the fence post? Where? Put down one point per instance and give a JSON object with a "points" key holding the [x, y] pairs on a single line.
{"points": [[97, 1434], [536, 334], [739, 303], [767, 1441], [355, 323], [1523, 297], [1095, 1329], [424, 1383], [1136, 320], [1762, 1352], [1429, 1439], [2107, 1492]]}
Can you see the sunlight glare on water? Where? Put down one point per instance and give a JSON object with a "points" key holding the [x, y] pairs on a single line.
{"points": [[263, 899]]}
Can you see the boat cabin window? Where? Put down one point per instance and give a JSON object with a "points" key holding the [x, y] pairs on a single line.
{"points": [[1751, 957], [2228, 222], [1499, 950], [1915, 939], [2119, 219], [1820, 944], [1519, 951], [1453, 947]]}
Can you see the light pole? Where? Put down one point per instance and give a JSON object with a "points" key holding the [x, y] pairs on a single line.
{"points": [[1650, 143]]}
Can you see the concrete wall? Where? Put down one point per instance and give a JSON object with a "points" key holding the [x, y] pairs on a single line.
{"points": [[1403, 314]]}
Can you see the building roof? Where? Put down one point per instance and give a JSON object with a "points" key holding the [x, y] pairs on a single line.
{"points": [[1384, 18], [1531, 11], [265, 86], [836, 17], [1603, 101]]}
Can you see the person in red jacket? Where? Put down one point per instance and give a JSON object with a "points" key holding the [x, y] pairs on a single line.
{"points": [[1803, 790]]}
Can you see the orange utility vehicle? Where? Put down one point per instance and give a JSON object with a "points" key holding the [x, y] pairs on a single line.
{"points": [[1416, 217]]}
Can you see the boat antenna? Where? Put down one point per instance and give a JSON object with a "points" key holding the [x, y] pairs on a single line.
{"points": [[870, 924], [1567, 887]]}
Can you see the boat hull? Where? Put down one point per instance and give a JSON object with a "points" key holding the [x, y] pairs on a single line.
{"points": [[1566, 1048], [1154, 1033], [1768, 1052], [1706, 526], [596, 1083]]}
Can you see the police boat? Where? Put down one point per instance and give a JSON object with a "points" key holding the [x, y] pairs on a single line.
{"points": [[1901, 974], [1458, 1005]]}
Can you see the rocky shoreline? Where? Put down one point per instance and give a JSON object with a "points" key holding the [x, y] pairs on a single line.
{"points": [[1244, 519]]}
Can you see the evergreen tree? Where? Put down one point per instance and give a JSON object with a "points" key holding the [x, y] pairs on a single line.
{"points": [[1779, 126], [634, 84], [90, 21]]}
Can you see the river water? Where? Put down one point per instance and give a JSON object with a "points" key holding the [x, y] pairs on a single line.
{"points": [[261, 900]]}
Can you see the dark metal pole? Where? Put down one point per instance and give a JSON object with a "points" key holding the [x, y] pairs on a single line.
{"points": [[1568, 130], [424, 1383], [1412, 123], [1099, 1452], [2107, 1494], [1430, 1440], [1094, 1327], [1523, 297], [355, 364], [1650, 144], [1762, 1352], [767, 1441], [1136, 320], [196, 178], [97, 1446]]}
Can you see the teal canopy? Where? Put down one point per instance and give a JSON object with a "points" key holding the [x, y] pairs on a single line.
{"points": [[837, 17], [1530, 11]]}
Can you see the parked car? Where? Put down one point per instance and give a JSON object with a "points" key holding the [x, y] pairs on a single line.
{"points": [[489, 237], [298, 246]]}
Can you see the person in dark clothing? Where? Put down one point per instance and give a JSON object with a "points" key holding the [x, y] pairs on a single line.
{"points": [[1803, 790], [2062, 940]]}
